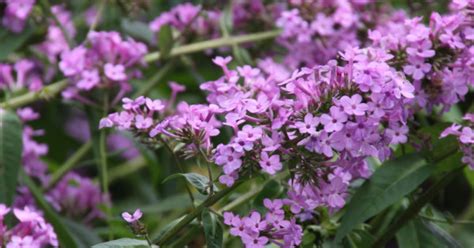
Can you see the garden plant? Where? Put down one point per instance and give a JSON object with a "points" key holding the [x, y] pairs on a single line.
{"points": [[243, 123]]}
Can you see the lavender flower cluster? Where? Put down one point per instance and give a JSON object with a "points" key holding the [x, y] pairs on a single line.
{"points": [[335, 100], [105, 61], [73, 195], [32, 230]]}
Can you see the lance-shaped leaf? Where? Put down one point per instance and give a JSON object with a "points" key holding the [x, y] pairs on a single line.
{"points": [[165, 40], [10, 155], [388, 185], [418, 234], [212, 229], [124, 243]]}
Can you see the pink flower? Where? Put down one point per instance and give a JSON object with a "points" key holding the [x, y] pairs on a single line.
{"points": [[417, 68], [397, 135], [467, 136], [130, 218], [270, 164], [142, 122], [115, 72], [88, 80], [353, 105], [309, 125], [421, 49], [333, 121], [221, 61], [23, 242]]}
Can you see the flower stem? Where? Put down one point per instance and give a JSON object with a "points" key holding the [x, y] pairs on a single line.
{"points": [[69, 164], [220, 42], [197, 211], [54, 88], [46, 93]]}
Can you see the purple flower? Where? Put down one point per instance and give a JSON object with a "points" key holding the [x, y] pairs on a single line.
{"points": [[417, 68], [255, 222], [221, 61], [421, 49], [250, 133], [130, 218], [254, 241], [73, 62], [270, 164], [154, 105], [229, 158], [397, 134], [309, 125], [89, 79], [467, 136], [333, 121], [353, 105], [115, 72], [23, 242], [142, 122]]}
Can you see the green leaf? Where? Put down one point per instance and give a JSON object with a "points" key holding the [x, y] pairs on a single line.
{"points": [[124, 243], [421, 234], [165, 40], [9, 42], [11, 145], [82, 234], [225, 22], [64, 237], [359, 239], [137, 29], [388, 185], [198, 181], [212, 229]]}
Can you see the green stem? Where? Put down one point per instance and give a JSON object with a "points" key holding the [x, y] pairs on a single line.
{"points": [[46, 93], [197, 211], [69, 164], [126, 168], [57, 87], [220, 42], [415, 208], [97, 17], [180, 168], [155, 79]]}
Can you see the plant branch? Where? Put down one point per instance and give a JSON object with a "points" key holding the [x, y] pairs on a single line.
{"points": [[154, 80], [57, 87], [220, 42], [44, 94], [197, 211], [69, 164]]}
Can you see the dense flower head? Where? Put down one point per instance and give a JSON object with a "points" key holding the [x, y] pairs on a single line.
{"points": [[30, 230], [32, 149], [188, 17], [23, 74], [315, 31], [105, 60], [16, 14], [79, 197], [257, 230], [56, 42], [436, 57]]}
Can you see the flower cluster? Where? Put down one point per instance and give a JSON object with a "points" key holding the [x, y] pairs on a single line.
{"points": [[315, 31], [31, 230], [438, 58], [104, 61], [16, 14], [25, 73], [74, 195], [257, 231], [465, 136], [79, 197], [55, 42]]}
